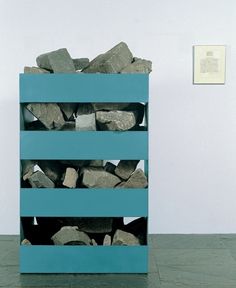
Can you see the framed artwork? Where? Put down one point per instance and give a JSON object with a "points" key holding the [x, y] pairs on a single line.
{"points": [[209, 64]]}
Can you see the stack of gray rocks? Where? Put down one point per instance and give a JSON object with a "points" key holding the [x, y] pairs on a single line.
{"points": [[82, 174], [119, 59]]}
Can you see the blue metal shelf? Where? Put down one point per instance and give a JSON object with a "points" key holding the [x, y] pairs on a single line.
{"points": [[84, 145], [83, 259], [81, 202], [83, 88]]}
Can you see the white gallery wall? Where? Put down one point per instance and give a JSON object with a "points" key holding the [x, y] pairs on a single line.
{"points": [[192, 128]]}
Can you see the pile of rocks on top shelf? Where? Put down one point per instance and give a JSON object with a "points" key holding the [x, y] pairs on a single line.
{"points": [[119, 59], [88, 116], [82, 174], [85, 231]]}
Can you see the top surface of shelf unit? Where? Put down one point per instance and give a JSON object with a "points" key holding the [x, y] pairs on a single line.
{"points": [[83, 87]]}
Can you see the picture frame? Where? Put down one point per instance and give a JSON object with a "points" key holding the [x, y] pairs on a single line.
{"points": [[209, 64]]}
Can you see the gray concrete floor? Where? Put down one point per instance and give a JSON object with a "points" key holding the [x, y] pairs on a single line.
{"points": [[192, 261]]}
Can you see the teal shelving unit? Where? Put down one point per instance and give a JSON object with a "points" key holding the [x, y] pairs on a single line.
{"points": [[59, 202]]}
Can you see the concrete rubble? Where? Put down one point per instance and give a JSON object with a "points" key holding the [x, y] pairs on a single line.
{"points": [[85, 118], [39, 180], [137, 180], [71, 177], [68, 234], [124, 238]]}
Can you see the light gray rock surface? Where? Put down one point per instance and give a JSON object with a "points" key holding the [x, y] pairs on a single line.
{"points": [[59, 61], [39, 180], [98, 178], [136, 180], [124, 238], [69, 234], [116, 120], [49, 114], [107, 240], [71, 177], [85, 118], [125, 168], [113, 61], [35, 70], [138, 66], [80, 63]]}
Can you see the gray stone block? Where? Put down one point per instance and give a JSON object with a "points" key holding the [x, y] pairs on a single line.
{"points": [[47, 113], [136, 180], [68, 234], [138, 66], [113, 61], [39, 180], [124, 238], [116, 120], [52, 169], [80, 63], [125, 168], [110, 167], [98, 178], [35, 70], [107, 240], [68, 109], [71, 177], [85, 118], [58, 61], [109, 106]]}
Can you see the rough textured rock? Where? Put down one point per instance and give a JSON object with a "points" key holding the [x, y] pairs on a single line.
{"points": [[69, 234], [136, 180], [85, 118], [109, 106], [113, 61], [110, 167], [96, 163], [71, 178], [116, 120], [125, 168], [98, 178], [124, 238], [48, 113], [25, 242], [27, 168], [52, 169], [107, 240], [68, 109], [90, 224], [59, 61], [80, 63], [138, 66], [39, 180], [35, 70]]}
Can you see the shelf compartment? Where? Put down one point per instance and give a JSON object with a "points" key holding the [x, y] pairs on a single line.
{"points": [[83, 259], [84, 202], [59, 145], [83, 88]]}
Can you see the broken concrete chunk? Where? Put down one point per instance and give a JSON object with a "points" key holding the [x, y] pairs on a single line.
{"points": [[68, 109], [39, 180], [138, 66], [85, 118], [48, 113], [116, 120], [110, 167], [58, 61], [71, 178], [27, 168], [107, 240], [80, 63], [109, 106], [52, 169], [70, 234], [92, 224], [124, 238], [35, 70], [98, 178], [25, 242], [125, 168], [113, 61], [136, 180]]}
